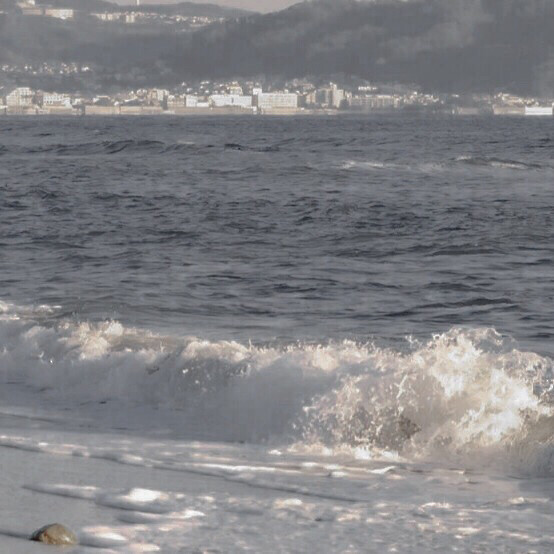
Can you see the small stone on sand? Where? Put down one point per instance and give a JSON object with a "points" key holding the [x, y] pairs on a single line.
{"points": [[54, 533]]}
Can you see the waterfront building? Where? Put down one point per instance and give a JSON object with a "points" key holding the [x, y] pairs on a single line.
{"points": [[539, 110], [507, 109], [230, 100], [374, 102], [276, 100], [59, 13], [20, 97], [55, 99], [337, 97]]}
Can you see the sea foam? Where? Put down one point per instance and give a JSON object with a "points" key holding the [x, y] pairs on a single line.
{"points": [[470, 396]]}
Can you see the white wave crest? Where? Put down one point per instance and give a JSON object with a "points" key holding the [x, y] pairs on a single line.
{"points": [[467, 394], [373, 165]]}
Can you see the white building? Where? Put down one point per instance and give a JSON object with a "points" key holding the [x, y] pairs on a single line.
{"points": [[56, 99], [539, 110], [20, 97], [122, 17], [59, 13], [23, 4], [230, 100], [374, 102], [191, 101], [337, 96], [108, 16], [277, 100]]}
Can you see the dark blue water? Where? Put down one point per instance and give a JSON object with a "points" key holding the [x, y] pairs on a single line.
{"points": [[283, 228]]}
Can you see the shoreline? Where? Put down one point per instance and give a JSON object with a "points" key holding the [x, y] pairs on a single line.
{"points": [[218, 112], [129, 490], [170, 113]]}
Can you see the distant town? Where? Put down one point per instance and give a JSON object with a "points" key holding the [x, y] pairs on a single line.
{"points": [[296, 97], [80, 89], [92, 57], [127, 15]]}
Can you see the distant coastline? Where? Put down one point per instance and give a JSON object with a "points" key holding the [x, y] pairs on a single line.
{"points": [[114, 111], [248, 98]]}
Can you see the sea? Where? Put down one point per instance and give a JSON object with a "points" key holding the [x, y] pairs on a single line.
{"points": [[348, 318]]}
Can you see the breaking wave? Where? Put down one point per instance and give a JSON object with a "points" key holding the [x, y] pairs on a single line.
{"points": [[498, 163], [467, 395], [106, 147], [127, 146], [460, 162]]}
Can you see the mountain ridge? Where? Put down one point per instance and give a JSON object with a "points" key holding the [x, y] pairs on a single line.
{"points": [[455, 46]]}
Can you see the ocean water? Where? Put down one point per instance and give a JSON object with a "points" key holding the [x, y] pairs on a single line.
{"points": [[286, 229], [375, 288], [280, 233]]}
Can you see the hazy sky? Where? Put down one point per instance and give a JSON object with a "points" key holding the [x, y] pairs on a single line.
{"points": [[255, 5]]}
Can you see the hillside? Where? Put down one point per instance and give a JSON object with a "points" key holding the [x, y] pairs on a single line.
{"points": [[193, 9], [459, 45], [454, 46], [188, 9]]}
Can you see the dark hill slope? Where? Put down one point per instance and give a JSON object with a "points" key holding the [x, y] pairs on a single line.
{"points": [[454, 45], [441, 45]]}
